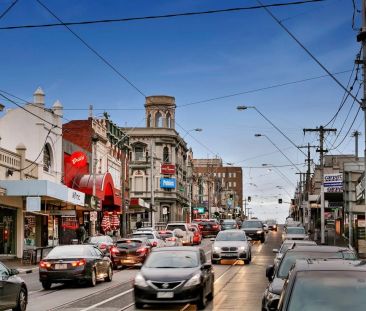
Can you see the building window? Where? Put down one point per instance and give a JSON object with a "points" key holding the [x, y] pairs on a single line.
{"points": [[234, 184], [234, 175], [229, 184], [139, 184], [223, 175], [166, 158], [149, 120], [168, 120], [139, 153], [158, 120], [47, 158]]}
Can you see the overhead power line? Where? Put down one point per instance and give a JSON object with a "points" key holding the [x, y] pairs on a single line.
{"points": [[8, 9], [129, 19], [93, 50]]}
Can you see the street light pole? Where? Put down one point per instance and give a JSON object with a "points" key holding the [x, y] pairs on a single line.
{"points": [[152, 184]]}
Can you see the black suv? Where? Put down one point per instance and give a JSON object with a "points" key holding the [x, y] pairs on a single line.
{"points": [[254, 229]]}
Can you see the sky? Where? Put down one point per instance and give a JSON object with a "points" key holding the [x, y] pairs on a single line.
{"points": [[195, 59]]}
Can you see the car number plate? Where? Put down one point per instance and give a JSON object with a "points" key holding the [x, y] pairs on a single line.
{"points": [[127, 261], [165, 295], [60, 266]]}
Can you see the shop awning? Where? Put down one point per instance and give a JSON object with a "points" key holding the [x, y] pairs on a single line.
{"points": [[138, 205]]}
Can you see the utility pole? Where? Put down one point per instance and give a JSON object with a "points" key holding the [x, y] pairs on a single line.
{"points": [[152, 184], [321, 150], [94, 173], [355, 134], [123, 177]]}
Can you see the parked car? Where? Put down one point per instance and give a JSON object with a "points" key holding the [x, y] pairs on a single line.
{"points": [[175, 275], [272, 225], [231, 244], [277, 276], [172, 237], [13, 290], [294, 233], [187, 234], [103, 242], [209, 227], [228, 224], [130, 252], [254, 230], [70, 263], [152, 236], [324, 285], [197, 234], [289, 244]]}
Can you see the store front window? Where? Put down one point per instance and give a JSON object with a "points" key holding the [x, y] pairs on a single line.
{"points": [[7, 231]]}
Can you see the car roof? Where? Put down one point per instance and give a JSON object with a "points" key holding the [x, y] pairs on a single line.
{"points": [[142, 232], [329, 265], [299, 242], [133, 239], [176, 248], [232, 230], [319, 248]]}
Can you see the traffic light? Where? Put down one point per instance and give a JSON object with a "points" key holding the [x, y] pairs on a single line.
{"points": [[279, 201], [249, 199]]}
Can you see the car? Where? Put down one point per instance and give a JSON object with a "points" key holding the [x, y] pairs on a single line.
{"points": [[172, 237], [103, 242], [197, 234], [145, 229], [228, 224], [152, 236], [289, 244], [253, 228], [265, 228], [13, 290], [278, 275], [209, 227], [294, 233], [231, 244], [130, 252], [175, 275], [75, 263], [272, 225], [187, 233], [324, 285]]}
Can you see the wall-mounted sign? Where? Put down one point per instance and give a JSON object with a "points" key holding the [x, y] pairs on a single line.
{"points": [[167, 169], [333, 182], [78, 159], [200, 210], [360, 190], [167, 183], [33, 204], [75, 197]]}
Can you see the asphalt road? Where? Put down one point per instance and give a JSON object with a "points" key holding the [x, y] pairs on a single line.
{"points": [[237, 286]]}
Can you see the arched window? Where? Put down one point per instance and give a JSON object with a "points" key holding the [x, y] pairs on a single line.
{"points": [[168, 120], [149, 120], [158, 120], [166, 157], [47, 158]]}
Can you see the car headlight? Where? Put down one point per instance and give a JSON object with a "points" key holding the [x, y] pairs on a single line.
{"points": [[272, 296], [242, 248], [259, 231], [140, 281], [217, 249], [194, 280]]}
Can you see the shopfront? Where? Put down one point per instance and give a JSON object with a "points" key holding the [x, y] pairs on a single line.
{"points": [[8, 217]]}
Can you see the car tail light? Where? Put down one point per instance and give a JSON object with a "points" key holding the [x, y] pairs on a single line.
{"points": [[45, 264], [141, 250], [103, 246], [171, 239], [200, 226], [114, 250], [154, 243], [79, 263], [215, 226]]}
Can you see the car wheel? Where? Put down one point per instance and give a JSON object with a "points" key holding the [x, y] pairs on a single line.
{"points": [[22, 300], [247, 261], [139, 305], [46, 285], [210, 296], [201, 305], [93, 279], [109, 274], [262, 240]]}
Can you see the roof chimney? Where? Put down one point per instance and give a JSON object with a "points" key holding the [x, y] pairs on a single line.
{"points": [[38, 97]]}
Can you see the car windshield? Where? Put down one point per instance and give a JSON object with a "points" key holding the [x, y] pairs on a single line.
{"points": [[229, 222], [231, 236], [127, 244], [290, 258], [295, 230], [329, 291], [69, 251], [172, 227], [172, 259], [147, 235], [252, 224]]}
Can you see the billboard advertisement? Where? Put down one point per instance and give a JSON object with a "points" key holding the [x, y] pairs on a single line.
{"points": [[167, 169], [333, 182], [167, 183]]}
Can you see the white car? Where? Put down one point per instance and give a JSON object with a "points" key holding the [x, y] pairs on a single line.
{"points": [[187, 238], [294, 233], [152, 236], [172, 238]]}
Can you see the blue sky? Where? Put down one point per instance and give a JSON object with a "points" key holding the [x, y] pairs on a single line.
{"points": [[195, 58]]}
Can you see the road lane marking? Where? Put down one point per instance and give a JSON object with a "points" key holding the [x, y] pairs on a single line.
{"points": [[126, 307], [107, 300]]}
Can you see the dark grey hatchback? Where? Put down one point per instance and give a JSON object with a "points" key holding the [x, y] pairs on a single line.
{"points": [[174, 275], [13, 291]]}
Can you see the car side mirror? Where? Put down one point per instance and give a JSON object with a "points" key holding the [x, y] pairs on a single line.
{"points": [[269, 272], [249, 238], [206, 266], [14, 272], [275, 250]]}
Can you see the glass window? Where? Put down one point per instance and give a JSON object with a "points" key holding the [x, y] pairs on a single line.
{"points": [[158, 120], [172, 227], [69, 251], [252, 224], [47, 158], [234, 183], [172, 259], [166, 157], [295, 230], [231, 236], [168, 120], [139, 153], [234, 175], [3, 270]]}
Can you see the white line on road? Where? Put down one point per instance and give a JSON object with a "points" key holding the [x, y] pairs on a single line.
{"points": [[107, 300], [126, 307]]}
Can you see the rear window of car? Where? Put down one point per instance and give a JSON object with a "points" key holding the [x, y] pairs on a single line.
{"points": [[70, 251], [172, 227], [99, 239], [165, 234], [127, 244], [252, 224], [147, 235]]}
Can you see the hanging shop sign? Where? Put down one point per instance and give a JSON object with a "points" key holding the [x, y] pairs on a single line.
{"points": [[167, 169], [360, 189], [78, 159], [333, 182], [167, 183], [33, 204]]}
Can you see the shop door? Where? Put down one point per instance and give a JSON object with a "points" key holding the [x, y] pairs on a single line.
{"points": [[7, 231]]}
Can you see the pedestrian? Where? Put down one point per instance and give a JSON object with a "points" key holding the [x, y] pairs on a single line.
{"points": [[138, 224], [81, 234]]}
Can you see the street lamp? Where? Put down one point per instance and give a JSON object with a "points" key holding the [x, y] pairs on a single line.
{"points": [[240, 108], [260, 135]]}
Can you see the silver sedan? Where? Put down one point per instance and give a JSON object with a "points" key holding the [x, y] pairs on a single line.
{"points": [[231, 244]]}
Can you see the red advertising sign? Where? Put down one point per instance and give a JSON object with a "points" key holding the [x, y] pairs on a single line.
{"points": [[78, 159], [168, 169]]}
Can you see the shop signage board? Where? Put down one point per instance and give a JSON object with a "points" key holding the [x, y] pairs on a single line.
{"points": [[93, 216], [167, 169], [167, 183], [333, 182], [200, 210], [79, 159], [33, 204], [360, 190], [75, 197]]}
